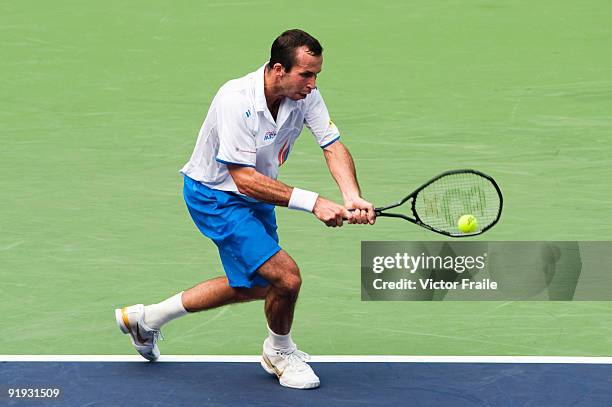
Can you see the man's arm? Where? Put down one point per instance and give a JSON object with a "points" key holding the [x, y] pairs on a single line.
{"points": [[342, 168], [265, 189]]}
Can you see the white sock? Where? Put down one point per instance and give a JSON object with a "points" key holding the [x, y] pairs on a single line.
{"points": [[156, 315], [280, 341]]}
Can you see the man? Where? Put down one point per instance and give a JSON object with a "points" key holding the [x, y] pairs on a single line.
{"points": [[231, 189]]}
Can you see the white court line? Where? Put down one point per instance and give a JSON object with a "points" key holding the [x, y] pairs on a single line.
{"points": [[322, 358]]}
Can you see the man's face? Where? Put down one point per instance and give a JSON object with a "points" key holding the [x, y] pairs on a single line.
{"points": [[301, 80]]}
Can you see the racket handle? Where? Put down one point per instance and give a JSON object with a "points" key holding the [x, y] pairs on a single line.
{"points": [[377, 212]]}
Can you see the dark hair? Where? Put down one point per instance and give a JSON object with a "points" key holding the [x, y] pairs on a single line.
{"points": [[283, 48]]}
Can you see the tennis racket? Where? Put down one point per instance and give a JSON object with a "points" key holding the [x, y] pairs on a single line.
{"points": [[438, 204]]}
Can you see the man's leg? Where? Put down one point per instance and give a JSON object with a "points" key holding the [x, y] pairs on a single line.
{"points": [[281, 272], [206, 295], [143, 323], [217, 292], [280, 354], [283, 275]]}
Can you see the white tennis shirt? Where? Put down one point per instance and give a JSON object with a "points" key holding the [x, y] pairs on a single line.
{"points": [[239, 129]]}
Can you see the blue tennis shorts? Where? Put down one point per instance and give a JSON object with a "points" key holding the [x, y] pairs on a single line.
{"points": [[244, 231]]}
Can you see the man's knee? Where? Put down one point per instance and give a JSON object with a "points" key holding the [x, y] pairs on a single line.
{"points": [[282, 273], [291, 282]]}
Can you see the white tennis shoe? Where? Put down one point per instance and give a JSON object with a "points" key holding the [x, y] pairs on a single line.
{"points": [[289, 366], [144, 339]]}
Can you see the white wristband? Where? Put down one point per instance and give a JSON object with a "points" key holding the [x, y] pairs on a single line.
{"points": [[302, 200]]}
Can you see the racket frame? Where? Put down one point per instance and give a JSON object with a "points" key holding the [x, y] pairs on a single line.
{"points": [[417, 221]]}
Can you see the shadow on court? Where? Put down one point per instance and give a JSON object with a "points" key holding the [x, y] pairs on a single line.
{"points": [[222, 384]]}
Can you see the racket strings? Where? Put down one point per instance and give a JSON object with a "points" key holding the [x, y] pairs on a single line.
{"points": [[441, 203]]}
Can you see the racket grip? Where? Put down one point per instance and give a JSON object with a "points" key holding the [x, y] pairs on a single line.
{"points": [[377, 212]]}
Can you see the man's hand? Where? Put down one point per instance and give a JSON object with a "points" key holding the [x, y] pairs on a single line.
{"points": [[330, 212], [363, 211]]}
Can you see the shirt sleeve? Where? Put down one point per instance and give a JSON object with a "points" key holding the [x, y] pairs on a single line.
{"points": [[236, 140], [318, 121]]}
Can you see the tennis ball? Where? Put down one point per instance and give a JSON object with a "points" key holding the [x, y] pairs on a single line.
{"points": [[467, 223]]}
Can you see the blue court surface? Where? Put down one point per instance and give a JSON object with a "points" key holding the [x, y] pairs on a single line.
{"points": [[176, 383]]}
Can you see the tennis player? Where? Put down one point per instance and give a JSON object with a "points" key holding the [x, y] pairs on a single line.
{"points": [[231, 190]]}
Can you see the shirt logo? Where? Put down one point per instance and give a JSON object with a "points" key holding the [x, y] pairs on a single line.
{"points": [[248, 113], [269, 135]]}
